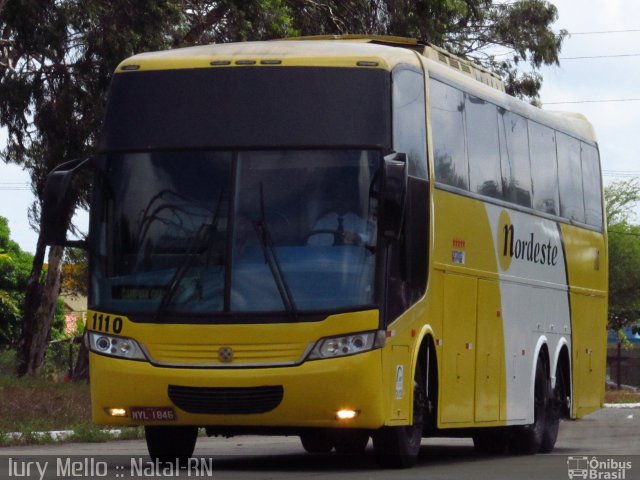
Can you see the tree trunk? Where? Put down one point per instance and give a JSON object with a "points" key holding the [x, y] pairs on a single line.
{"points": [[40, 305], [81, 370], [619, 372]]}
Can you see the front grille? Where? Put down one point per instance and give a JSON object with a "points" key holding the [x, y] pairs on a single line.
{"points": [[200, 353], [226, 400]]}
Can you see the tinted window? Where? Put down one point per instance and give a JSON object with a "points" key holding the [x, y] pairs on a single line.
{"points": [[483, 148], [592, 187], [447, 117], [248, 107], [516, 170], [544, 168], [409, 127], [570, 178]]}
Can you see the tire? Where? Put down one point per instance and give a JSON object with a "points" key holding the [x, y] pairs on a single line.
{"points": [[491, 441], [171, 444], [554, 411], [528, 440], [351, 442], [317, 441], [398, 447]]}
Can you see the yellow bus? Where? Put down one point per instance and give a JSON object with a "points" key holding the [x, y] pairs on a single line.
{"points": [[340, 238]]}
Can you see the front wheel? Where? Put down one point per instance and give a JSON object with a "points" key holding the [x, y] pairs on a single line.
{"points": [[317, 441], [398, 447], [170, 444], [351, 441]]}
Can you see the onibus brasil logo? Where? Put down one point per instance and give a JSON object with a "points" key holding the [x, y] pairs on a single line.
{"points": [[597, 469]]}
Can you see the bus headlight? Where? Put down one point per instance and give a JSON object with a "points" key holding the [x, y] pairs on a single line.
{"points": [[120, 347], [344, 345]]}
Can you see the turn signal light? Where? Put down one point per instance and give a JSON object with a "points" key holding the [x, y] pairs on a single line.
{"points": [[346, 414], [117, 412]]}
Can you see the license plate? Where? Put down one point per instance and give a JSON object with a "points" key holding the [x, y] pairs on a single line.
{"points": [[153, 414]]}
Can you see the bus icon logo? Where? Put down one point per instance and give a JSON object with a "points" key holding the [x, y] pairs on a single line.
{"points": [[578, 467]]}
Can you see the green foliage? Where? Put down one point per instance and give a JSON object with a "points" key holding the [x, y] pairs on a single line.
{"points": [[75, 272], [15, 266], [624, 274], [620, 199], [498, 35], [624, 254], [89, 433]]}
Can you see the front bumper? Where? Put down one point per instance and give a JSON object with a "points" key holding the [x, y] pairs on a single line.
{"points": [[312, 392]]}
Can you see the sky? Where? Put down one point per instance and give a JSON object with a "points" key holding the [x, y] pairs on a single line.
{"points": [[587, 81]]}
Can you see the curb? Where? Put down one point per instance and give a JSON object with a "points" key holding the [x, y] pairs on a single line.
{"points": [[56, 434], [622, 405]]}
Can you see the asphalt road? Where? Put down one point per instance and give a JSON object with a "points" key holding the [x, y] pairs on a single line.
{"points": [[604, 445]]}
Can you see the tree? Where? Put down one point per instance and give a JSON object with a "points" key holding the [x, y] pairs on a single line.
{"points": [[57, 58], [14, 271], [500, 36], [56, 65], [624, 259], [56, 61], [624, 253]]}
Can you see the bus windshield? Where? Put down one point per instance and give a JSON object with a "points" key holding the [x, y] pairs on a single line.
{"points": [[202, 232]]}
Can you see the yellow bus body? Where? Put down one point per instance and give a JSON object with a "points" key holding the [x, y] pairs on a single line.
{"points": [[485, 367]]}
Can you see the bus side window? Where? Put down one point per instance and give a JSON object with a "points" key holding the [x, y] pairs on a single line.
{"points": [[592, 187], [516, 169], [483, 148], [409, 125], [570, 177], [447, 125], [544, 168]]}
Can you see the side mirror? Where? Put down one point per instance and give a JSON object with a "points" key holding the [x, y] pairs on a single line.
{"points": [[58, 195], [394, 193]]}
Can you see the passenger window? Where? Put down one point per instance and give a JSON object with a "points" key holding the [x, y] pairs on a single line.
{"points": [[483, 147], [447, 117], [570, 178], [409, 125], [516, 169], [592, 186], [544, 168]]}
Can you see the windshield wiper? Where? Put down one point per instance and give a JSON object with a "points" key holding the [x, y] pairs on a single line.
{"points": [[205, 231], [271, 259]]}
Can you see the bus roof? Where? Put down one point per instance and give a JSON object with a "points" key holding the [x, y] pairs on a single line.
{"points": [[340, 53], [364, 51]]}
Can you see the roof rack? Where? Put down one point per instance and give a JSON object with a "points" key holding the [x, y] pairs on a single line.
{"points": [[428, 50]]}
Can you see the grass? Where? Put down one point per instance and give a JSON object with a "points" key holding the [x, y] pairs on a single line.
{"points": [[30, 405], [624, 395]]}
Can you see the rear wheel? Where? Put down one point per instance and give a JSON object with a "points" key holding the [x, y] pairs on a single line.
{"points": [[557, 403], [171, 443], [529, 438], [398, 447], [491, 441]]}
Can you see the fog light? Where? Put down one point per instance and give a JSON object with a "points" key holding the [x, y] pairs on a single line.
{"points": [[346, 414], [117, 412]]}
